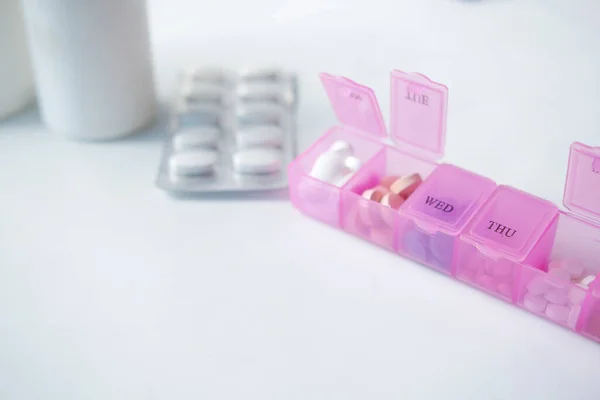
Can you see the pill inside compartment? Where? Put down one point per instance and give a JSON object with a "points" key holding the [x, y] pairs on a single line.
{"points": [[567, 289], [373, 199], [316, 177], [436, 214], [511, 229]]}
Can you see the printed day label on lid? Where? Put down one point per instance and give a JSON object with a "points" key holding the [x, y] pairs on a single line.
{"points": [[418, 114]]}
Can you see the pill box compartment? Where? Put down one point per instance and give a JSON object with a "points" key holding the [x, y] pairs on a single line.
{"points": [[575, 256], [369, 219], [511, 229], [318, 198], [556, 291], [435, 215]]}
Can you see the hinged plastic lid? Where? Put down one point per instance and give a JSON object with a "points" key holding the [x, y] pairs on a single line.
{"points": [[582, 190], [355, 105], [418, 114]]}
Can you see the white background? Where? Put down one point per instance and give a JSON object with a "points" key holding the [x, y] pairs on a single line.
{"points": [[110, 289]]}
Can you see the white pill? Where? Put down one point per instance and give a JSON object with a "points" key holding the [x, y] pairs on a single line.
{"points": [[534, 303], [203, 92], [263, 112], [259, 135], [587, 281], [502, 270], [260, 90], [352, 164], [257, 161], [557, 312], [329, 167], [557, 296], [194, 137], [196, 162], [341, 147]]}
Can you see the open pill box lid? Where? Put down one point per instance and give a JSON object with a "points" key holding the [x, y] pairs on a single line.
{"points": [[582, 188], [418, 110]]}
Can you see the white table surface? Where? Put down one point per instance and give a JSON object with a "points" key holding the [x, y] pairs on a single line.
{"points": [[110, 289]]}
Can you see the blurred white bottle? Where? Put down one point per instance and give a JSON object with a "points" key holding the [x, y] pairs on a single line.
{"points": [[92, 66], [16, 81]]}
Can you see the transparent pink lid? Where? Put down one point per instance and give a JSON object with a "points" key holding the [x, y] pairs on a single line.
{"points": [[418, 115], [582, 190], [418, 110], [511, 222], [355, 105]]}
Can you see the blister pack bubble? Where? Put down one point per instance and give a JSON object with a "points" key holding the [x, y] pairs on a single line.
{"points": [[230, 131]]}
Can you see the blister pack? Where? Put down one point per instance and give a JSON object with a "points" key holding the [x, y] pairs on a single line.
{"points": [[230, 131]]}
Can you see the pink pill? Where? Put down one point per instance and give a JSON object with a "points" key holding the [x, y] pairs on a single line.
{"points": [[375, 193], [383, 237], [557, 312], [533, 303], [576, 296], [537, 286], [468, 275], [354, 222], [392, 200], [557, 296], [482, 279], [560, 274], [505, 289], [387, 181], [486, 282], [575, 268]]}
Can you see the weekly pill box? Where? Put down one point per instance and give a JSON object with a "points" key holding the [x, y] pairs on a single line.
{"points": [[230, 131], [511, 244]]}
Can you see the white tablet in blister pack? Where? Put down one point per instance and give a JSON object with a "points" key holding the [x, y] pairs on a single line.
{"points": [[230, 131]]}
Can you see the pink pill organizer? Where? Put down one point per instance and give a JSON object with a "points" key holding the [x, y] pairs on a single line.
{"points": [[509, 243]]}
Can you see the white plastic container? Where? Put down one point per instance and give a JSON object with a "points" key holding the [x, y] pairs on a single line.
{"points": [[92, 66], [16, 81]]}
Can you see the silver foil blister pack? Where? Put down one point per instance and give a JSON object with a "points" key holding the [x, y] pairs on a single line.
{"points": [[230, 131]]}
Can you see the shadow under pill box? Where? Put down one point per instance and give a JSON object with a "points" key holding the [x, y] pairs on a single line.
{"points": [[230, 131], [391, 190]]}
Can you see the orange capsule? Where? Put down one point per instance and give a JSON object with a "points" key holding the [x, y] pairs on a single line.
{"points": [[375, 193], [406, 185], [390, 203], [387, 181], [392, 200]]}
